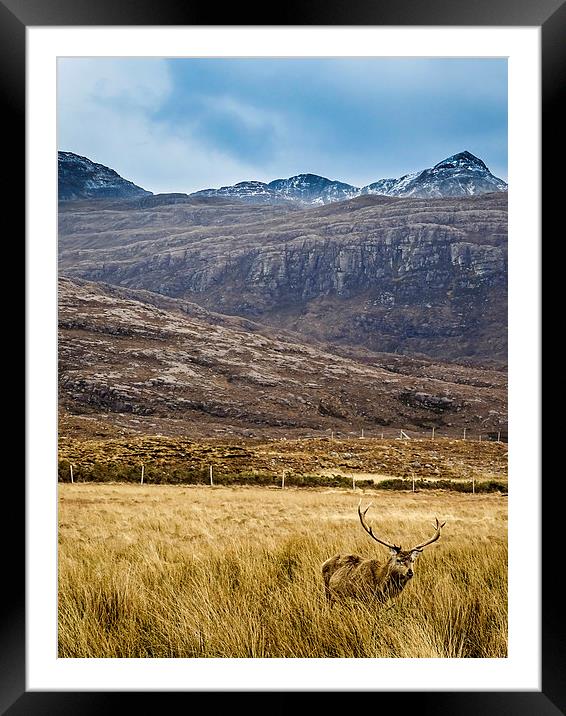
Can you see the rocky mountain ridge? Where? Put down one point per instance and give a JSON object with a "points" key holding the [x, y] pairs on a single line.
{"points": [[393, 275], [462, 174]]}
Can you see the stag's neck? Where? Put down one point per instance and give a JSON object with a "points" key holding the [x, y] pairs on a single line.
{"points": [[391, 583]]}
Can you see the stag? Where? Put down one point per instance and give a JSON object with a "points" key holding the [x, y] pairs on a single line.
{"points": [[353, 576]]}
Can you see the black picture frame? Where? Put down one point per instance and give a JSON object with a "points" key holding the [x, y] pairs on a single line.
{"points": [[15, 17]]}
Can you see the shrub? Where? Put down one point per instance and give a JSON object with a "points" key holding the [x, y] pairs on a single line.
{"points": [[455, 485], [176, 474]]}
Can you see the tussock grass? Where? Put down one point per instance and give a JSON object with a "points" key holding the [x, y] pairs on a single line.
{"points": [[171, 571]]}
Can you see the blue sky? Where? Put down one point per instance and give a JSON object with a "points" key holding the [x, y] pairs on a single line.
{"points": [[189, 124]]}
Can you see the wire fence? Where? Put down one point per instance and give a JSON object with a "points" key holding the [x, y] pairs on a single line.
{"points": [[434, 433], [147, 472]]}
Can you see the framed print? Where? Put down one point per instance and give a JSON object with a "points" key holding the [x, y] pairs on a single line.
{"points": [[262, 293]]}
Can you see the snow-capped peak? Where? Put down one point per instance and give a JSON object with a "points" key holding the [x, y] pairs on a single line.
{"points": [[462, 174], [461, 160]]}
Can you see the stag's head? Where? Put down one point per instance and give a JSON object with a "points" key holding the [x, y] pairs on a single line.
{"points": [[401, 562]]}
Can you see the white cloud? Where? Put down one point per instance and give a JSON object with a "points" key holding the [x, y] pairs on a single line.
{"points": [[246, 113], [105, 112], [137, 83]]}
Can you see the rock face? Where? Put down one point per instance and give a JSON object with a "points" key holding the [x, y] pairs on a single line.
{"points": [[153, 364], [398, 275], [81, 178], [462, 174]]}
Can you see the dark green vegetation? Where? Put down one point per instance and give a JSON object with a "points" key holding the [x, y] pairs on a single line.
{"points": [[174, 475]]}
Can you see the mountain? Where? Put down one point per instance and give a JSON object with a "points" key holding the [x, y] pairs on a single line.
{"points": [[313, 189], [253, 192], [303, 189], [81, 178], [306, 189], [388, 274], [136, 362], [462, 174]]}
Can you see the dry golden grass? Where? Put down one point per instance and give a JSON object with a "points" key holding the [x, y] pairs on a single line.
{"points": [[168, 571]]}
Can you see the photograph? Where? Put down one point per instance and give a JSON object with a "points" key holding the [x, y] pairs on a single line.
{"points": [[283, 356], [282, 310]]}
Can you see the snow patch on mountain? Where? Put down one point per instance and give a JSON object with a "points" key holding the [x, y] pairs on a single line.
{"points": [[461, 174]]}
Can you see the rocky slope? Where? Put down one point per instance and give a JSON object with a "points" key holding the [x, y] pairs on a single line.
{"points": [[395, 275], [126, 363], [81, 178]]}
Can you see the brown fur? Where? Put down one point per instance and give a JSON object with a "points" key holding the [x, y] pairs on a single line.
{"points": [[350, 575], [353, 576]]}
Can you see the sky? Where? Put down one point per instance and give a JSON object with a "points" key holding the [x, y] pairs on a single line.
{"points": [[184, 124]]}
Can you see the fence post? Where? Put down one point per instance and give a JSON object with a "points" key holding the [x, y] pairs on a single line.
{"points": [[413, 476], [142, 472], [473, 484], [464, 433], [382, 436], [71, 469], [499, 436], [210, 473], [480, 438], [283, 481], [362, 432], [433, 433]]}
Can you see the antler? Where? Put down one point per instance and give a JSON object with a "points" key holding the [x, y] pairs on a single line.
{"points": [[368, 529], [436, 535]]}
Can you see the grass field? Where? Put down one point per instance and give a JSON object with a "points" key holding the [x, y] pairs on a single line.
{"points": [[169, 571]]}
